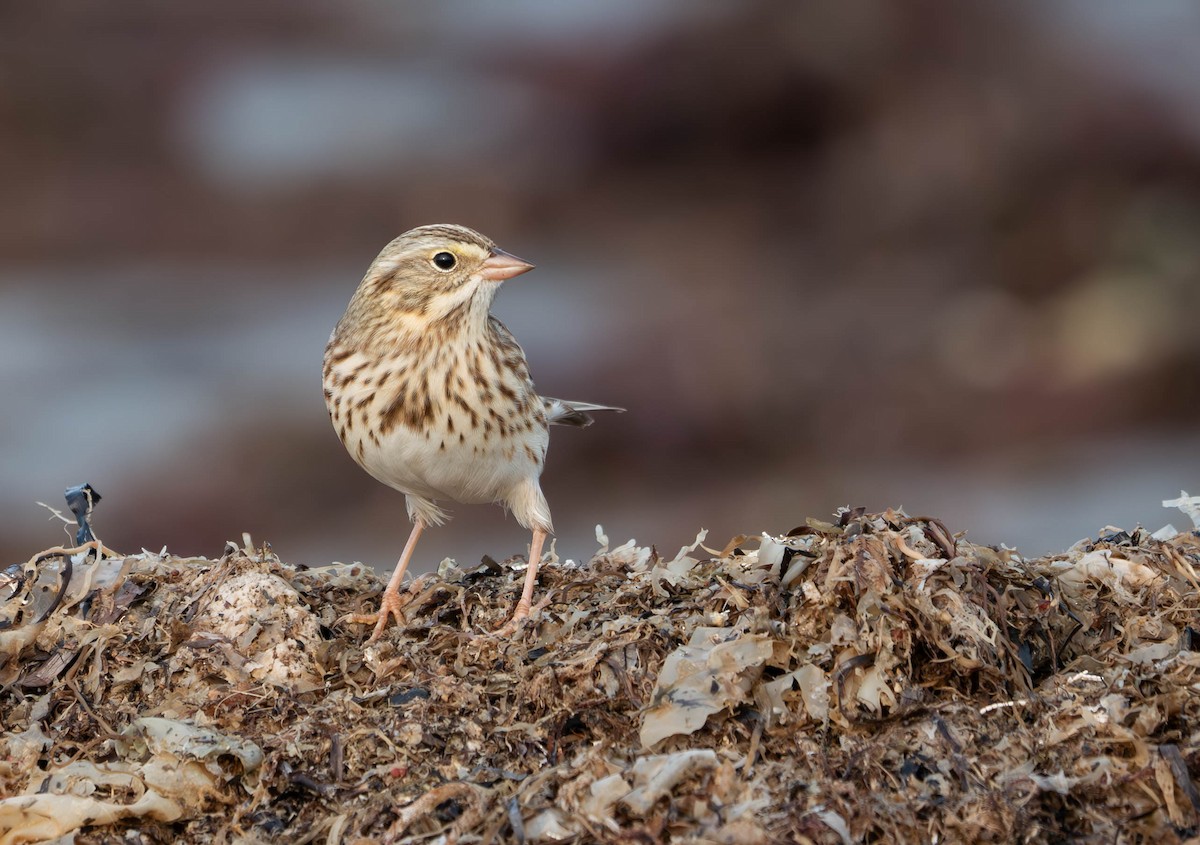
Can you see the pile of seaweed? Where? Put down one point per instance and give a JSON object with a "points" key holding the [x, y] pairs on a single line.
{"points": [[877, 678]]}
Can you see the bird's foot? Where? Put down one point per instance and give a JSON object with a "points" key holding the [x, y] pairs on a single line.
{"points": [[520, 615], [513, 625], [391, 605]]}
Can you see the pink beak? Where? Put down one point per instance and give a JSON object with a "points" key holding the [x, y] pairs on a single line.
{"points": [[501, 266]]}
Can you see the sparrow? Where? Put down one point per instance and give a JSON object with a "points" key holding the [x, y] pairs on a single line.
{"points": [[431, 394]]}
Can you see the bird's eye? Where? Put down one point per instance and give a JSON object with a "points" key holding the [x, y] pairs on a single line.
{"points": [[444, 261]]}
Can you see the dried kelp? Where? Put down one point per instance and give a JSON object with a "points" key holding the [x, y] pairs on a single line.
{"points": [[877, 678]]}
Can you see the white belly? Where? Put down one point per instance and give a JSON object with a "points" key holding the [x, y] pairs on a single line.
{"points": [[437, 466]]}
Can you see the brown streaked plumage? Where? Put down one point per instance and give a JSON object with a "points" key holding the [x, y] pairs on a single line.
{"points": [[431, 394]]}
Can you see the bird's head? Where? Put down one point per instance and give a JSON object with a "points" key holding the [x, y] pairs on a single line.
{"points": [[432, 271]]}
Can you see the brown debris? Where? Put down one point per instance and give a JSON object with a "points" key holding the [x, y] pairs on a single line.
{"points": [[873, 679]]}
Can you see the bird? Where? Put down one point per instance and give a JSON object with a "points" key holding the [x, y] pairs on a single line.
{"points": [[431, 394]]}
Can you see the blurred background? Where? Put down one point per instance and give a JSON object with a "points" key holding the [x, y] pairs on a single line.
{"points": [[931, 255]]}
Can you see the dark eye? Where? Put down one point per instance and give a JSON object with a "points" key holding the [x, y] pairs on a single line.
{"points": [[444, 261]]}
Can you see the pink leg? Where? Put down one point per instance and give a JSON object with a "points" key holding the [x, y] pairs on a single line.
{"points": [[390, 603], [535, 558]]}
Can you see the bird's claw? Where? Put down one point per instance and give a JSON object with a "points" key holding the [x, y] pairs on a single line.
{"points": [[521, 614], [512, 625], [390, 605]]}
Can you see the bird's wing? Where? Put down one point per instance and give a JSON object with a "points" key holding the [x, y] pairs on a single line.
{"points": [[566, 412]]}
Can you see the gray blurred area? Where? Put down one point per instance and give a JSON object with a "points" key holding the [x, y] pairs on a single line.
{"points": [[932, 255]]}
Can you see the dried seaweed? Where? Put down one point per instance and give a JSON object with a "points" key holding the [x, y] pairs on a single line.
{"points": [[877, 678]]}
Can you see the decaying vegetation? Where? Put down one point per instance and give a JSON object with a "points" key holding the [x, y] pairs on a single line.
{"points": [[874, 679]]}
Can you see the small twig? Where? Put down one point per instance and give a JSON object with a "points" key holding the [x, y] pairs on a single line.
{"points": [[336, 757], [936, 531], [57, 513], [88, 708], [84, 748], [64, 582], [236, 693]]}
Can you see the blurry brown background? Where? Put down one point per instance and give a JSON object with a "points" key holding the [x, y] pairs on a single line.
{"points": [[932, 255]]}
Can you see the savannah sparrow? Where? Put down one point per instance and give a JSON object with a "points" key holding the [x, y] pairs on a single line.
{"points": [[431, 394]]}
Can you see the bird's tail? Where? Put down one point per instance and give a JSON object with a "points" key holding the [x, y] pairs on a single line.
{"points": [[565, 412]]}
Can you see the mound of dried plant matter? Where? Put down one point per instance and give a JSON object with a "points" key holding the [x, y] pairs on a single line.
{"points": [[877, 679]]}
